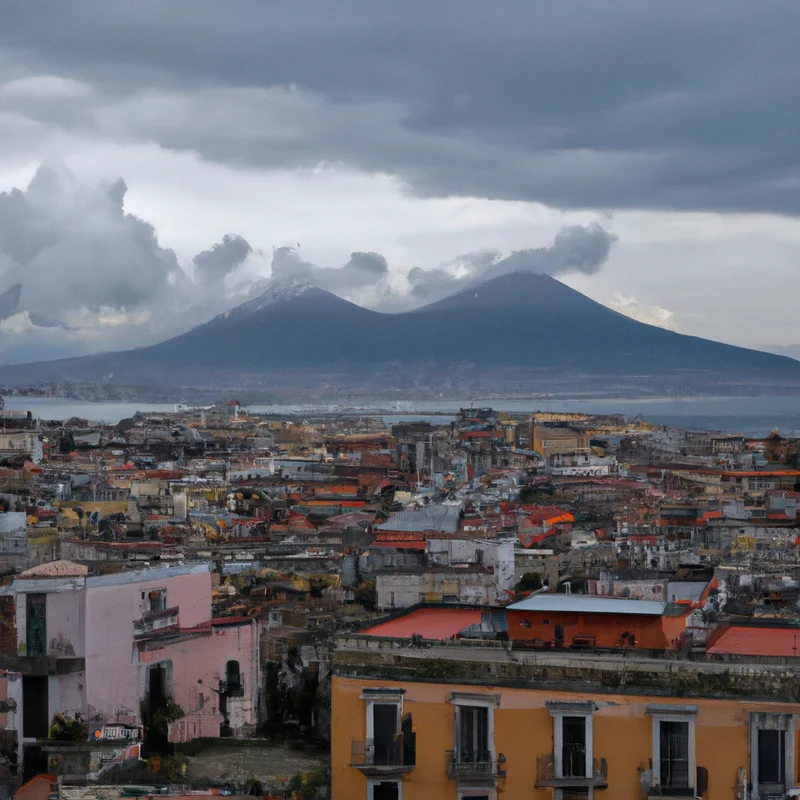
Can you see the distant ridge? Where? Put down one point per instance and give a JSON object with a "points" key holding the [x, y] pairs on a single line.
{"points": [[513, 326]]}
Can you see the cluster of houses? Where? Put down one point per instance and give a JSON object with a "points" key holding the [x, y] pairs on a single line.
{"points": [[486, 604]]}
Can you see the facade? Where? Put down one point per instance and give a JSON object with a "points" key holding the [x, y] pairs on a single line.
{"points": [[573, 620], [112, 647], [458, 721], [553, 440]]}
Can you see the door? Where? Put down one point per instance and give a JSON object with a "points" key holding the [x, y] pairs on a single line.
{"points": [[771, 760], [384, 732], [559, 635], [35, 704], [386, 790], [36, 624]]}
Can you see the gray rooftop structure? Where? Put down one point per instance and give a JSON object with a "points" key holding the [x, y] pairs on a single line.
{"points": [[588, 604], [444, 518]]}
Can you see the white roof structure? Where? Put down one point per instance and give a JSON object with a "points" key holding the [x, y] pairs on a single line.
{"points": [[588, 604]]}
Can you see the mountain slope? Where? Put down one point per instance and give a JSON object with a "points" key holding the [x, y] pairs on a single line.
{"points": [[519, 322]]}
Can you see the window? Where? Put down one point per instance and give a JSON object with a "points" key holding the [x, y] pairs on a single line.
{"points": [[674, 759], [157, 600], [573, 747], [233, 677], [36, 623], [772, 744], [673, 746], [474, 727], [383, 746], [572, 739], [771, 756], [473, 734], [384, 731], [384, 790]]}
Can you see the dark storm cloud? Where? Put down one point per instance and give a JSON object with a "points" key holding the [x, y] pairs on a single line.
{"points": [[71, 247], [73, 260], [214, 264], [621, 104], [576, 248], [9, 301]]}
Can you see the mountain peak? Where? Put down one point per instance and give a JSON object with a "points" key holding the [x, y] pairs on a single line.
{"points": [[267, 294], [271, 292]]}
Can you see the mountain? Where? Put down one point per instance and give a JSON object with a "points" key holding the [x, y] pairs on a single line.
{"points": [[520, 330]]}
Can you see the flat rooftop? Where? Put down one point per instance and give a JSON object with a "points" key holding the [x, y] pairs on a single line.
{"points": [[430, 623]]}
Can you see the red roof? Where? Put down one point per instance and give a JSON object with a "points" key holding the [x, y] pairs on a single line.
{"points": [[404, 540], [405, 544], [430, 623], [755, 641], [543, 513]]}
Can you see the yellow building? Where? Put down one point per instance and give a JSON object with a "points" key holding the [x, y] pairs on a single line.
{"points": [[552, 440], [482, 722]]}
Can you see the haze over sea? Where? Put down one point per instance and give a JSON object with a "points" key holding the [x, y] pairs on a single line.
{"points": [[751, 416]]}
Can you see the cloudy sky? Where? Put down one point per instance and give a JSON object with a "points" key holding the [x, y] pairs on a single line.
{"points": [[160, 160]]}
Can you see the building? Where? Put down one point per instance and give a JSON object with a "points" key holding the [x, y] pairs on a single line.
{"points": [[457, 720], [411, 568], [552, 440], [114, 648]]}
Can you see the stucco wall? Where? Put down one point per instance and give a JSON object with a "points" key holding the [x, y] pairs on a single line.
{"points": [[198, 665], [112, 676], [523, 730]]}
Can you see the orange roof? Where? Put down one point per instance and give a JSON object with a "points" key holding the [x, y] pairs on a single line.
{"points": [[771, 473], [430, 623], [403, 544], [405, 540], [755, 641], [546, 515]]}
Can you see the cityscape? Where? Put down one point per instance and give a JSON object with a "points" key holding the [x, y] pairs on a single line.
{"points": [[488, 604]]}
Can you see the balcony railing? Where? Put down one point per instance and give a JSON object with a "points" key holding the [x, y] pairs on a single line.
{"points": [[396, 754], [570, 773], [473, 766]]}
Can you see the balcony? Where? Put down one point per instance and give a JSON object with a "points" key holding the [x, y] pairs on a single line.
{"points": [[480, 766], [393, 756], [572, 773], [42, 665], [675, 792]]}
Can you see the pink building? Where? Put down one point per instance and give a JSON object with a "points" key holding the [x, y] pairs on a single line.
{"points": [[106, 646]]}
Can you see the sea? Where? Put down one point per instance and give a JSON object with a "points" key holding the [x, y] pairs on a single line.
{"points": [[750, 416]]}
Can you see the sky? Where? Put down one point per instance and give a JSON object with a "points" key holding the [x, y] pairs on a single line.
{"points": [[159, 162]]}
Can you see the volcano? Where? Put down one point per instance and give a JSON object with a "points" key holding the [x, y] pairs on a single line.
{"points": [[519, 324]]}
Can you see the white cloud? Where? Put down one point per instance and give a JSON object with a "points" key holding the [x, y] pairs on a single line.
{"points": [[651, 314]]}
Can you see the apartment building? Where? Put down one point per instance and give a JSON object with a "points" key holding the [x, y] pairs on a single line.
{"points": [[443, 717], [116, 648]]}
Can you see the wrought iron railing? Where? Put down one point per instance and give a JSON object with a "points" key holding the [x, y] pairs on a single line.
{"points": [[573, 768], [473, 765], [397, 751]]}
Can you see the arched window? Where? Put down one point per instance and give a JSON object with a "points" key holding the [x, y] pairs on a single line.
{"points": [[233, 677]]}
